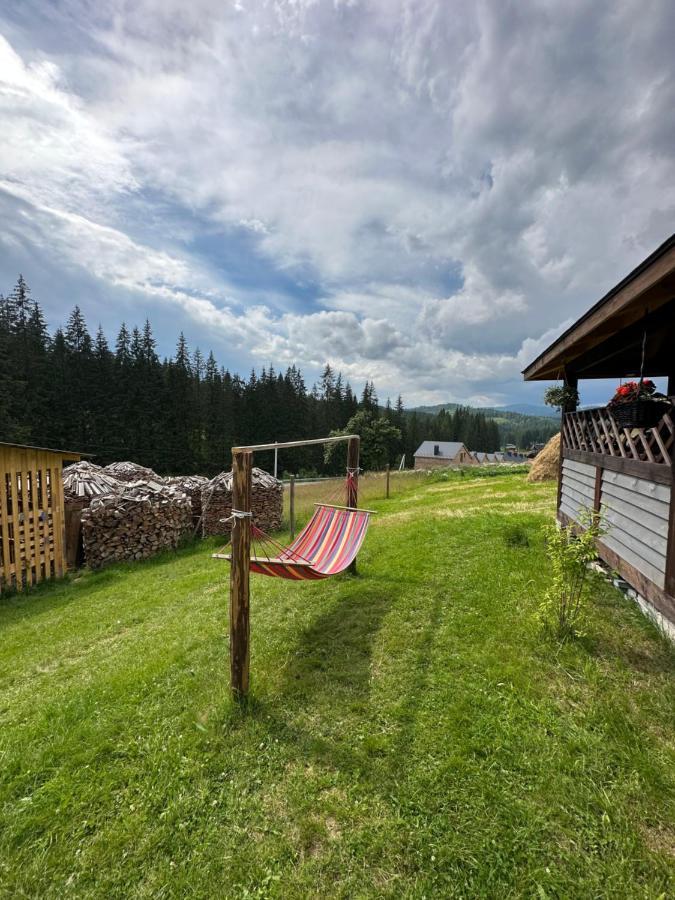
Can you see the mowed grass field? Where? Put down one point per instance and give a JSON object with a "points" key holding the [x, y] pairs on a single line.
{"points": [[408, 735]]}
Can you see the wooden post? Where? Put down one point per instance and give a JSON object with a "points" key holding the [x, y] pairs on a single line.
{"points": [[291, 505], [572, 382], [353, 483], [387, 477], [670, 545], [239, 575], [597, 494]]}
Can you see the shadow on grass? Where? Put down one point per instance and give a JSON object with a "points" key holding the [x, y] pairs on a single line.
{"points": [[333, 655], [401, 748], [651, 657], [59, 593], [329, 676]]}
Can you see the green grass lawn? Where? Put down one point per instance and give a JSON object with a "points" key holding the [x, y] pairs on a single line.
{"points": [[408, 734]]}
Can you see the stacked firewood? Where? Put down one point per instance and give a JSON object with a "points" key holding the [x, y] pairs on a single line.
{"points": [[84, 480], [267, 502], [192, 485], [131, 471], [135, 521]]}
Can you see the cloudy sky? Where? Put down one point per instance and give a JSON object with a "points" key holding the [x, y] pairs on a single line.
{"points": [[421, 192]]}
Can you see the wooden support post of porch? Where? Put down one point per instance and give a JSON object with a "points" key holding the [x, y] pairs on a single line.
{"points": [[570, 381], [239, 575], [670, 546], [597, 494]]}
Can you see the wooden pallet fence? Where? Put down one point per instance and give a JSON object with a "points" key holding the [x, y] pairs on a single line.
{"points": [[32, 544]]}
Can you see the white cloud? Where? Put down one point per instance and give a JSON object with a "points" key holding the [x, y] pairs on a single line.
{"points": [[457, 180], [51, 146]]}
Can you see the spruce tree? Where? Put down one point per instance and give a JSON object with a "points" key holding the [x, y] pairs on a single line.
{"points": [[20, 304], [78, 400], [77, 337]]}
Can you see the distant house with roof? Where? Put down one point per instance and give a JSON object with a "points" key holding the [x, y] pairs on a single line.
{"points": [[435, 454], [482, 458], [513, 457]]}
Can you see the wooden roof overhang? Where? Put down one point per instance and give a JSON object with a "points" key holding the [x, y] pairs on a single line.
{"points": [[70, 455], [606, 342]]}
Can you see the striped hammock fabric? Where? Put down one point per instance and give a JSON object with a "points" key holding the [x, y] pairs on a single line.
{"points": [[326, 545]]}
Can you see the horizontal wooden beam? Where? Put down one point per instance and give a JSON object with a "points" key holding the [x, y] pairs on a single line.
{"points": [[650, 471], [373, 512], [277, 445]]}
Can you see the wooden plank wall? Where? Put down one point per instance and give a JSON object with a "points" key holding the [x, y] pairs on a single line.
{"points": [[577, 488], [31, 517], [635, 512]]}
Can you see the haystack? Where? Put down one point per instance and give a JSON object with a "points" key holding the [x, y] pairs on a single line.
{"points": [[546, 462]]}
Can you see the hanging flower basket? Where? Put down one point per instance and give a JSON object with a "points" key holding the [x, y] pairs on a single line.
{"points": [[637, 405]]}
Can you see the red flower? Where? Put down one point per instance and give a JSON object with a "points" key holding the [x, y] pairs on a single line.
{"points": [[635, 390]]}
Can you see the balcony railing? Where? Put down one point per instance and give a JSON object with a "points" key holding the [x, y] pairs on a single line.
{"points": [[596, 431]]}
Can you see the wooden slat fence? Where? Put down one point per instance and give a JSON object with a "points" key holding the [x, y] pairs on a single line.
{"points": [[31, 517]]}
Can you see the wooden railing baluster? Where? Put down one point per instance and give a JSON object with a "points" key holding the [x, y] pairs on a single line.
{"points": [[595, 431]]}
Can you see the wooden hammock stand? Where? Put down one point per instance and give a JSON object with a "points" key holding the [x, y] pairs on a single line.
{"points": [[242, 462]]}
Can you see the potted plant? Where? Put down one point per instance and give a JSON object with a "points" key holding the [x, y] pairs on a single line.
{"points": [[636, 404], [560, 396]]}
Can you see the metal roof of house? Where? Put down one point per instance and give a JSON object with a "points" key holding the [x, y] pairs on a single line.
{"points": [[446, 449]]}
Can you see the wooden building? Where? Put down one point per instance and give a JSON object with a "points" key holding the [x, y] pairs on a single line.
{"points": [[624, 473], [32, 542], [437, 454]]}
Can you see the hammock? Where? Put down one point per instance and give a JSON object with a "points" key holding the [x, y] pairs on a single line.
{"points": [[326, 545]]}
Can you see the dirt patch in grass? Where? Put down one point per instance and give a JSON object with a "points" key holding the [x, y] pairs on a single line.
{"points": [[660, 839]]}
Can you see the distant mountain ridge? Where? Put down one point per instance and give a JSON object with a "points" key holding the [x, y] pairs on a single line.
{"points": [[515, 409], [519, 423], [531, 409]]}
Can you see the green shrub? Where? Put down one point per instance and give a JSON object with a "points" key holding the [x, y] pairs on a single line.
{"points": [[570, 549]]}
